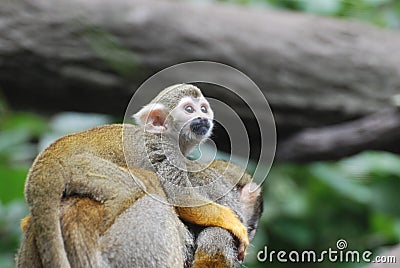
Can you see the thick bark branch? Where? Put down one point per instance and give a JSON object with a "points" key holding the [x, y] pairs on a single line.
{"points": [[91, 55], [379, 131]]}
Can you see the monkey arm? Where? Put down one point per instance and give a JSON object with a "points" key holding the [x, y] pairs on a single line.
{"points": [[213, 214], [222, 252]]}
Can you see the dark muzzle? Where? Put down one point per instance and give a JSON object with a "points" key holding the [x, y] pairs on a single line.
{"points": [[200, 126]]}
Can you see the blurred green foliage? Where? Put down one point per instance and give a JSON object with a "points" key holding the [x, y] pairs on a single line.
{"points": [[11, 214], [312, 206], [383, 13], [18, 131]]}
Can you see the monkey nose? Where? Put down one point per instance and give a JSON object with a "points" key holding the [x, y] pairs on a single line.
{"points": [[200, 126]]}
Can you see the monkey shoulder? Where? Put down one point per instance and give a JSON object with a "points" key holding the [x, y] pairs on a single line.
{"points": [[103, 141]]}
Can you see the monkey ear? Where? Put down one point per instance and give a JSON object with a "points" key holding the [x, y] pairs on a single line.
{"points": [[152, 117], [249, 193]]}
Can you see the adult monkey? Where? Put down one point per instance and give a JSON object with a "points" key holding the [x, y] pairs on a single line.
{"points": [[92, 163], [136, 240]]}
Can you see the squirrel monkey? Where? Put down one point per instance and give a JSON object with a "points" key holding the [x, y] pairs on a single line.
{"points": [[93, 164], [127, 243]]}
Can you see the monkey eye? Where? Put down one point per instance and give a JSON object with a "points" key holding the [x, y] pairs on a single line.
{"points": [[189, 109], [203, 109]]}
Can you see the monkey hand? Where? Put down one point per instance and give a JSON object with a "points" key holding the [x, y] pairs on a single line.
{"points": [[232, 223], [241, 252], [241, 233], [214, 214]]}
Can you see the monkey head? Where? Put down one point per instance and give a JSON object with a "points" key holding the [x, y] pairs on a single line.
{"points": [[193, 118], [180, 112]]}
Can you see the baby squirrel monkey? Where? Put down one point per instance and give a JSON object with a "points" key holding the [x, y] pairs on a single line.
{"points": [[93, 164], [128, 242]]}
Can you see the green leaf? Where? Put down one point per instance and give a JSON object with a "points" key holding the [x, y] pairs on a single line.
{"points": [[12, 180], [384, 225], [340, 183], [32, 124]]}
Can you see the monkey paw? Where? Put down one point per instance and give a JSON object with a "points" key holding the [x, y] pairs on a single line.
{"points": [[243, 242], [241, 252]]}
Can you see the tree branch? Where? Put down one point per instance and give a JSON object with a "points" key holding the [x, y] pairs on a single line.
{"points": [[380, 131]]}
